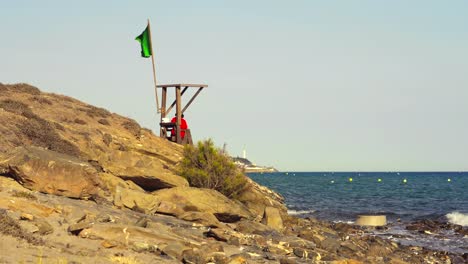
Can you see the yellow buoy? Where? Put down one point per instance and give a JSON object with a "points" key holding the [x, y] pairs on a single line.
{"points": [[379, 180], [350, 179], [449, 180], [404, 180], [332, 181]]}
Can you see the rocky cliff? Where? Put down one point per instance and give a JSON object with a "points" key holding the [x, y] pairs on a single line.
{"points": [[79, 184]]}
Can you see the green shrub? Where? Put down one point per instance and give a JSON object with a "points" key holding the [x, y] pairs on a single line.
{"points": [[206, 166]]}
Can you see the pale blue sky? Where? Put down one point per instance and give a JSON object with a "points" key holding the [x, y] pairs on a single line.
{"points": [[304, 85]]}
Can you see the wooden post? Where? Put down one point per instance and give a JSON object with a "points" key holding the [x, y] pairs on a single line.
{"points": [[178, 113], [163, 110], [154, 68], [175, 101]]}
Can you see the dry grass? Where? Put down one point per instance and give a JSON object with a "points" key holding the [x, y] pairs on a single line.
{"points": [[16, 107], [39, 131], [23, 88], [79, 121], [42, 134], [103, 121], [93, 111], [107, 139], [42, 100], [10, 227], [3, 88], [22, 194], [132, 126]]}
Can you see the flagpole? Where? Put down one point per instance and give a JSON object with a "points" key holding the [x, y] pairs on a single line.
{"points": [[154, 69]]}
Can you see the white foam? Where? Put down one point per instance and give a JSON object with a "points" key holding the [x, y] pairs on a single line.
{"points": [[294, 212], [458, 218]]}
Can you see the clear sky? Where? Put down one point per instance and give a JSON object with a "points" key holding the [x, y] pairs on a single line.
{"points": [[303, 85]]}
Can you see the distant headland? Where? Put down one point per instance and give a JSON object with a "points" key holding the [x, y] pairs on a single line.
{"points": [[250, 167]]}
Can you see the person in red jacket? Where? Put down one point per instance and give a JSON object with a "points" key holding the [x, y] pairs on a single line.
{"points": [[183, 126]]}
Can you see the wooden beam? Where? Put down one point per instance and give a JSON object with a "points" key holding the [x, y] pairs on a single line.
{"points": [[179, 114], [162, 132], [191, 100], [183, 85], [175, 101]]}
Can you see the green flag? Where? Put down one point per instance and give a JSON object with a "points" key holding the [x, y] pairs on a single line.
{"points": [[145, 42]]}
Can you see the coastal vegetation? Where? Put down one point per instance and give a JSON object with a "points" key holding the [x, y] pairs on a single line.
{"points": [[205, 166]]}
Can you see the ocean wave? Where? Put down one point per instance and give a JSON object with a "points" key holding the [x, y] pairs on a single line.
{"points": [[300, 212], [458, 218]]}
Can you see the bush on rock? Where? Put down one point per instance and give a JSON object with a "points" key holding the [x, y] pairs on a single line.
{"points": [[205, 166]]}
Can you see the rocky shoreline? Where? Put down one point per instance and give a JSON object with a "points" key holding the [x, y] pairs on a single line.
{"points": [[79, 184]]}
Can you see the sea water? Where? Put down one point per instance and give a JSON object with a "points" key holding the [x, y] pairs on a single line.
{"points": [[402, 196]]}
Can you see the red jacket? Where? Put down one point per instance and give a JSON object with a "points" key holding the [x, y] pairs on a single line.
{"points": [[183, 126]]}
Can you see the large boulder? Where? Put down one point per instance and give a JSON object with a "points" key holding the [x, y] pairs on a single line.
{"points": [[50, 172], [204, 200], [135, 200], [145, 170], [256, 197], [129, 235], [272, 218]]}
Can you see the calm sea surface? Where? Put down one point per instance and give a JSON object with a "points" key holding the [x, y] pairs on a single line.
{"points": [[407, 196]]}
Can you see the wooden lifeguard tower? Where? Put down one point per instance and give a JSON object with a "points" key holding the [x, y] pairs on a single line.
{"points": [[170, 130]]}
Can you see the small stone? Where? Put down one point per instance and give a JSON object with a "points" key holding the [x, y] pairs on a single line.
{"points": [[44, 228], [141, 246], [25, 216], [330, 244], [142, 222], [288, 260], [218, 234], [192, 257], [75, 229], [175, 250], [108, 244], [238, 260], [305, 254]]}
